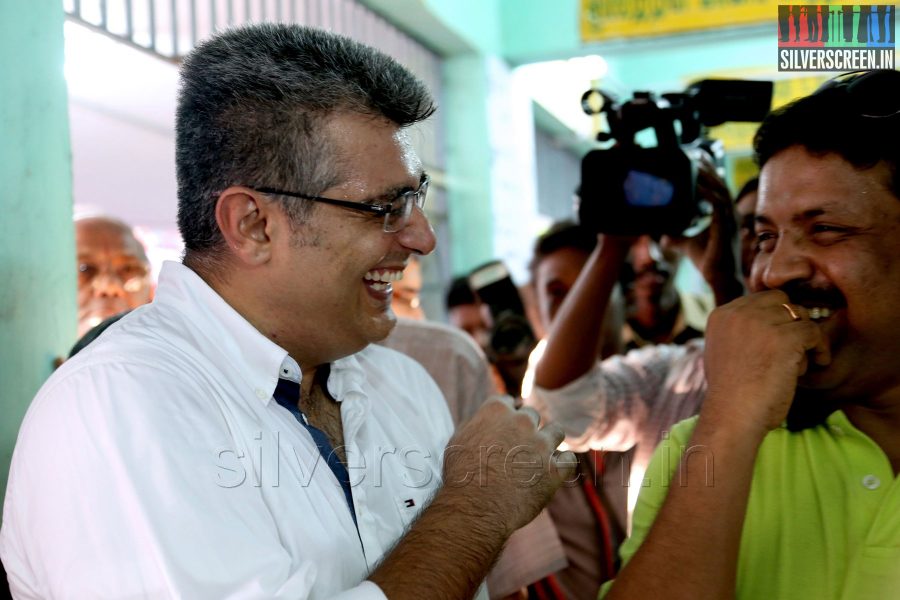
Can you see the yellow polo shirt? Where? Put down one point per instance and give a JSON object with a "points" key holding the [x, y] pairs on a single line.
{"points": [[823, 518]]}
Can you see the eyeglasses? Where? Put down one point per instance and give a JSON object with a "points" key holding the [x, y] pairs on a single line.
{"points": [[396, 212], [874, 94], [133, 276]]}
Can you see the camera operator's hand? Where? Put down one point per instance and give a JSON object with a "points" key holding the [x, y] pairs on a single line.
{"points": [[502, 465], [716, 251], [575, 334]]}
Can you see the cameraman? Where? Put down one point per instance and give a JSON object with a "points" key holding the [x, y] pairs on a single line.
{"points": [[630, 401], [656, 313]]}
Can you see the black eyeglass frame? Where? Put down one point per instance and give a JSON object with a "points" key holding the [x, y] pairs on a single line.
{"points": [[418, 199]]}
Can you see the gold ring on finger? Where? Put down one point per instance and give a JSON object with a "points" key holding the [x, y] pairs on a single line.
{"points": [[792, 312]]}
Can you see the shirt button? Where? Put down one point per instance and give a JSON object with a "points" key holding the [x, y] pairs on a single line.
{"points": [[870, 482], [261, 394]]}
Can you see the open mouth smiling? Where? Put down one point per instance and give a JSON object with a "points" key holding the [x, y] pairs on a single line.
{"points": [[380, 280]]}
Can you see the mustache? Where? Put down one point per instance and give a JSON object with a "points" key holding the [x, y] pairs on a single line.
{"points": [[807, 294]]}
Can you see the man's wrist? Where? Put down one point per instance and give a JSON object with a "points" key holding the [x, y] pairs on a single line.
{"points": [[451, 545], [723, 424]]}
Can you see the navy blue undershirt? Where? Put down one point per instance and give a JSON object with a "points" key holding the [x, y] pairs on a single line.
{"points": [[287, 394]]}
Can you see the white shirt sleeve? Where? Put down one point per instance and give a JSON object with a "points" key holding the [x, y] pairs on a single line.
{"points": [[607, 407]]}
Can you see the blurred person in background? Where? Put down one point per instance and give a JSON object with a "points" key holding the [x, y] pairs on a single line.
{"points": [[465, 311], [655, 311], [462, 371], [589, 514], [406, 301], [452, 358], [113, 270], [745, 206]]}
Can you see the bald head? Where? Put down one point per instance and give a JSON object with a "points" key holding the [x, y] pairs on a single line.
{"points": [[113, 271]]}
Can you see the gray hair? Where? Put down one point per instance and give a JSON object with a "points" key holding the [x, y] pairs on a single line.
{"points": [[251, 110]]}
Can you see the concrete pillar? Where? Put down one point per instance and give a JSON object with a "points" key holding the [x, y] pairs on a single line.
{"points": [[469, 160], [37, 248]]}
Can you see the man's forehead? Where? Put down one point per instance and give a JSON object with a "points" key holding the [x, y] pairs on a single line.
{"points": [[562, 259], [102, 236], [376, 155], [798, 184]]}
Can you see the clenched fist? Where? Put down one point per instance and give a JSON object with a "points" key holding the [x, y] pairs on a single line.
{"points": [[503, 462]]}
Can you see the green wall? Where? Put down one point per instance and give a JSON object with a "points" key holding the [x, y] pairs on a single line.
{"points": [[469, 161], [37, 247], [536, 30], [478, 22]]}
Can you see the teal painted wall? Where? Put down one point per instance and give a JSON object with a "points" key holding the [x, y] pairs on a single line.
{"points": [[476, 21], [469, 160], [667, 66], [37, 247], [465, 107], [535, 30]]}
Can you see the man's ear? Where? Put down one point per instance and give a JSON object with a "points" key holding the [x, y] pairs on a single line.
{"points": [[244, 217]]}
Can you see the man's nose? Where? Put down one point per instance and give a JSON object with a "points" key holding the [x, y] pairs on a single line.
{"points": [[642, 254], [784, 264], [108, 284], [418, 235]]}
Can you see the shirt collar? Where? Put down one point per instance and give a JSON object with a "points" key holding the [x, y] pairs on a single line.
{"points": [[220, 332], [290, 370], [217, 330]]}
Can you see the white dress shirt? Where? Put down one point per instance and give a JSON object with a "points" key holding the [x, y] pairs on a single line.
{"points": [[157, 464]]}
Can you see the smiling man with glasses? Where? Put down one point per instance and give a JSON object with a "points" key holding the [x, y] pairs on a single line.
{"points": [[240, 437]]}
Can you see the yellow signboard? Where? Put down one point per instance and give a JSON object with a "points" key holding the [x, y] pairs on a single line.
{"points": [[603, 20]]}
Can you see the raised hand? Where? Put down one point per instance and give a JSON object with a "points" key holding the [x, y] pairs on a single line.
{"points": [[501, 461], [756, 349]]}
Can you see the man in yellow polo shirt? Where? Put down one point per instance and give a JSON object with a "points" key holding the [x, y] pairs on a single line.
{"points": [[785, 486]]}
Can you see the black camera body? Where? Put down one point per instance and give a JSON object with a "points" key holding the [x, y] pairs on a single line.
{"points": [[632, 190]]}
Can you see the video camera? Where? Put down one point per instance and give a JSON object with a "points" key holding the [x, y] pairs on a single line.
{"points": [[632, 190]]}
